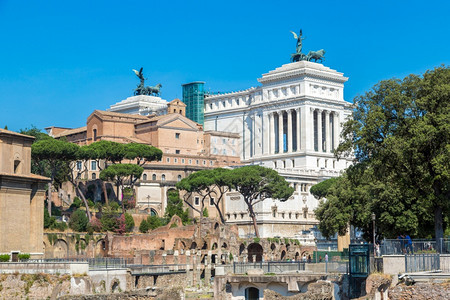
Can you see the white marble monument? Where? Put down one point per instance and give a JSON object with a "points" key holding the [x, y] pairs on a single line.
{"points": [[141, 105], [290, 123]]}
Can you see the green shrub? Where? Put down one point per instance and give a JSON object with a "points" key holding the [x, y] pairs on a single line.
{"points": [[90, 203], [60, 226], [76, 203], [154, 222], [114, 206], [143, 227], [173, 225], [129, 223], [256, 240], [109, 219], [24, 256], [230, 256], [4, 257], [78, 221], [205, 212]]}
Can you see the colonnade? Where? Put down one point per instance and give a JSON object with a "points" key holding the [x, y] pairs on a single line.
{"points": [[320, 130]]}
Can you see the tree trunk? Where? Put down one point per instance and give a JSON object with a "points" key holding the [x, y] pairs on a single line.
{"points": [[253, 216], [220, 212], [438, 227], [105, 193], [49, 198], [84, 200]]}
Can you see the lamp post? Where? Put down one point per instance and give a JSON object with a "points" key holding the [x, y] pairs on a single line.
{"points": [[373, 220]]}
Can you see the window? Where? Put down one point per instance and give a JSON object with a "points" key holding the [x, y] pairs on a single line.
{"points": [[177, 135], [237, 102], [224, 151], [181, 112], [78, 165], [224, 141], [144, 177], [211, 162], [334, 164], [94, 133], [204, 162], [190, 161], [318, 162], [93, 165], [175, 160], [94, 176], [234, 153], [214, 150], [182, 160], [223, 104], [163, 177], [154, 177], [179, 178], [211, 201], [177, 151], [197, 201], [210, 106], [168, 159], [197, 162]]}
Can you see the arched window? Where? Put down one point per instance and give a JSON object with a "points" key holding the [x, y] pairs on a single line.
{"points": [[94, 133], [179, 177], [94, 176], [163, 177], [153, 212], [144, 177], [154, 177]]}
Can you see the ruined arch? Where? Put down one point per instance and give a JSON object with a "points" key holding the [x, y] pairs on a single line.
{"points": [[60, 249], [205, 246], [216, 226], [241, 248], [297, 256], [100, 248], [283, 255], [214, 246], [193, 246], [224, 246], [251, 293], [255, 249], [273, 247]]}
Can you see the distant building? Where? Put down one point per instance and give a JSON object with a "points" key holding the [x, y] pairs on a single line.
{"points": [[193, 97], [22, 197], [186, 149], [141, 105]]}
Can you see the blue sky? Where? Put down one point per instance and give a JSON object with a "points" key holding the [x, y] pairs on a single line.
{"points": [[60, 60]]}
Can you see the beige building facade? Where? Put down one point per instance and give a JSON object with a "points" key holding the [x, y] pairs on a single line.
{"points": [[22, 197], [185, 145]]}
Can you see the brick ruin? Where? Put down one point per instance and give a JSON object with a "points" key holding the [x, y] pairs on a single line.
{"points": [[176, 244]]}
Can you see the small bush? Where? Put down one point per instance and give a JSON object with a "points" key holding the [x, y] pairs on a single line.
{"points": [[129, 223], [90, 203], [114, 206], [4, 257], [60, 226], [24, 256], [173, 225], [79, 221], [143, 227], [76, 203], [256, 240]]}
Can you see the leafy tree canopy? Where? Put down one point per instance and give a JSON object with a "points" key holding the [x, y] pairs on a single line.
{"points": [[142, 153], [321, 189], [400, 137]]}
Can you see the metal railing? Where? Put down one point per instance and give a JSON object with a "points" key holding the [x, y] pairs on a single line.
{"points": [[95, 263], [422, 262], [400, 247], [269, 266]]}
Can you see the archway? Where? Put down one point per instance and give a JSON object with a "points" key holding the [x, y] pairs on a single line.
{"points": [[283, 255], [193, 246], [60, 249], [251, 293], [256, 250], [224, 246], [241, 248], [272, 247]]}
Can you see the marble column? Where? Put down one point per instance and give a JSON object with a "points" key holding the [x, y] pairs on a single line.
{"points": [[252, 135], [337, 127], [327, 132], [319, 130], [280, 132], [298, 126], [289, 132], [271, 133], [266, 133]]}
